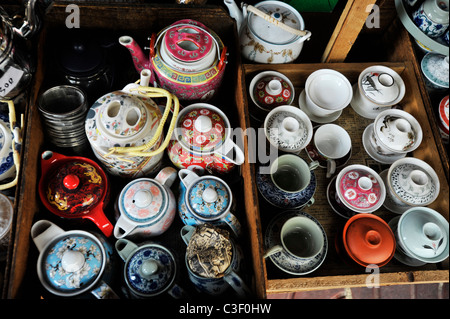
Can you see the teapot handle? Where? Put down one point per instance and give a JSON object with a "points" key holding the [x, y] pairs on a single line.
{"points": [[236, 282], [124, 248], [167, 176], [172, 101], [227, 147], [303, 33], [186, 233], [43, 231]]}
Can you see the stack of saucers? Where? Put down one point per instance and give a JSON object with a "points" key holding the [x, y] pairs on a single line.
{"points": [[63, 111]]}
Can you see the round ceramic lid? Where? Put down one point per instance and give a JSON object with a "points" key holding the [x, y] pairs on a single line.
{"points": [[72, 263], [142, 200], [443, 112], [6, 155], [436, 68], [122, 115], [150, 270], [396, 132], [380, 87], [209, 197], [413, 184], [369, 240], [287, 130], [269, 32], [273, 91], [202, 129], [360, 190], [188, 43], [74, 187], [424, 232]]}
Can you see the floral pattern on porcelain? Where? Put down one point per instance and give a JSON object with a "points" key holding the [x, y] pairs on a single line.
{"points": [[356, 196], [202, 207], [400, 182], [265, 98], [436, 70], [285, 140], [61, 278], [160, 281], [427, 25], [282, 199], [7, 168]]}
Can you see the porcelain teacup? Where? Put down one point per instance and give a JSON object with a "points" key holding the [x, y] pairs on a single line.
{"points": [[300, 237], [331, 142], [432, 17]]}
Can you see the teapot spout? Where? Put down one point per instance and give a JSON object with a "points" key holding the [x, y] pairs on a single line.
{"points": [[235, 13], [139, 60]]}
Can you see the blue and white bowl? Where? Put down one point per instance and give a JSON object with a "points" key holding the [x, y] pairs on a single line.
{"points": [[7, 167]]}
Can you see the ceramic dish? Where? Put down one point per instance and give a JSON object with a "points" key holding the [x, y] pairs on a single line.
{"points": [[286, 95], [318, 119], [285, 262], [383, 159]]}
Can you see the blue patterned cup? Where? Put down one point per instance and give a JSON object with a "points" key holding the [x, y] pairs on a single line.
{"points": [[432, 17]]}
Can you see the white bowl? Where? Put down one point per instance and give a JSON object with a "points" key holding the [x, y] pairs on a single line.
{"points": [[329, 89]]}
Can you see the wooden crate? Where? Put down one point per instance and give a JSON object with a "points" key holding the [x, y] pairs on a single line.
{"points": [[335, 272], [139, 21]]}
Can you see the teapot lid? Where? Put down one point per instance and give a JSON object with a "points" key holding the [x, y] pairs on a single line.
{"points": [[72, 263], [74, 187], [202, 129], [81, 56], [360, 188], [209, 197], [143, 200], [368, 239], [380, 87], [271, 33], [150, 270], [413, 181]]}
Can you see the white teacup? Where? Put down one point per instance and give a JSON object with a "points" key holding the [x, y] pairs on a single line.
{"points": [[301, 237], [332, 142]]}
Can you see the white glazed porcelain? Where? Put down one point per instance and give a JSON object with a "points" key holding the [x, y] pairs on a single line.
{"points": [[412, 182], [332, 142], [378, 88], [263, 41], [329, 90], [423, 234], [288, 128], [147, 206], [395, 132], [303, 104]]}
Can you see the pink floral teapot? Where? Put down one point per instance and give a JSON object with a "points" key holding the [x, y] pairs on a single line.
{"points": [[186, 58]]}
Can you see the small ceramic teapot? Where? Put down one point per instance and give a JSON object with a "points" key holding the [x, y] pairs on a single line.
{"points": [[147, 206], [74, 187], [211, 247], [74, 262], [125, 129], [206, 199], [150, 269], [272, 31], [202, 137], [186, 58]]}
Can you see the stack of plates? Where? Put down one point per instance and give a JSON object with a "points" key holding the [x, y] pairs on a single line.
{"points": [[63, 111]]}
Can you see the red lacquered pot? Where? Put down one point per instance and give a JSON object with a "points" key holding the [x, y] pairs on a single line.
{"points": [[74, 187]]}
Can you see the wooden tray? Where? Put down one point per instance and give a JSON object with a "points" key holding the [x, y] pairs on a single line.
{"points": [[335, 272], [139, 21]]}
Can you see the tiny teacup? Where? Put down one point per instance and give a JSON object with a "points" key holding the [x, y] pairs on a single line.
{"points": [[332, 142], [432, 17], [300, 237]]}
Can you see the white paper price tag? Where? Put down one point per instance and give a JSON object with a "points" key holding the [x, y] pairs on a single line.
{"points": [[9, 80]]}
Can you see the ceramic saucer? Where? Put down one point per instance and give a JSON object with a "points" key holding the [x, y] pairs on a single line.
{"points": [[399, 253], [388, 203], [313, 156], [331, 196], [275, 196], [369, 114], [373, 153], [318, 119], [287, 263]]}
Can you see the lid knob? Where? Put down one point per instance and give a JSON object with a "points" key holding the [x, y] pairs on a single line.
{"points": [[290, 125], [210, 195], [71, 181], [373, 238], [142, 198], [203, 124], [72, 261], [148, 269], [274, 87], [386, 79], [432, 231], [365, 183]]}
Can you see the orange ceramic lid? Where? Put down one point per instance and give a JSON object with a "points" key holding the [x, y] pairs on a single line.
{"points": [[369, 240]]}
